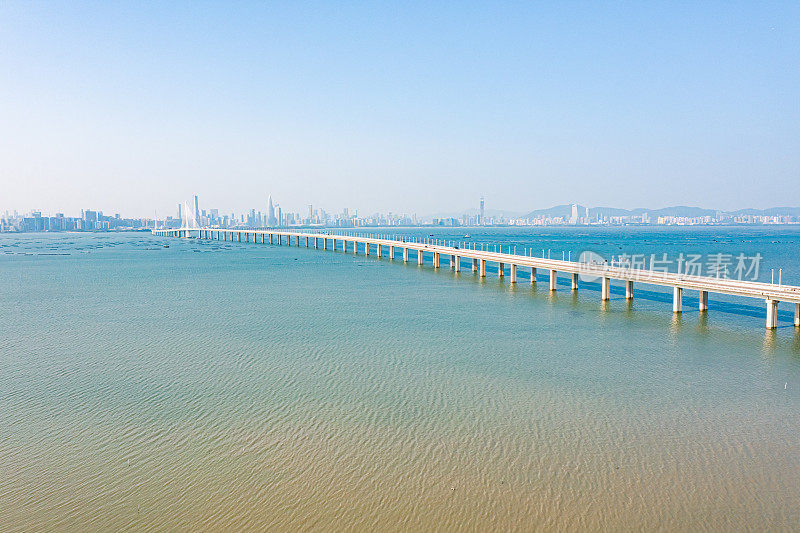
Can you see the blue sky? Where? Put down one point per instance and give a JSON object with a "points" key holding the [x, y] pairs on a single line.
{"points": [[405, 106]]}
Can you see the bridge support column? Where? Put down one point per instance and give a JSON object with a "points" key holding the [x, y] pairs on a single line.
{"points": [[553, 280], [405, 255], [457, 265], [533, 275], [306, 242], [366, 248], [797, 315], [452, 261], [677, 300], [501, 270], [419, 257], [483, 268], [629, 290], [605, 289], [334, 245], [239, 236], [772, 314], [574, 281], [703, 301], [391, 253], [513, 273], [378, 247], [435, 259], [474, 265]]}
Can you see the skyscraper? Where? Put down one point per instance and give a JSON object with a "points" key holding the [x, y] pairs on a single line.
{"points": [[180, 211], [482, 220], [271, 220], [574, 218], [196, 211]]}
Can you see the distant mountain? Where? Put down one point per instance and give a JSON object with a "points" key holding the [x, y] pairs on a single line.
{"points": [[771, 212], [565, 211]]}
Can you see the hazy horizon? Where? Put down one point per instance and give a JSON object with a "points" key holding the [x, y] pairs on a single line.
{"points": [[132, 108]]}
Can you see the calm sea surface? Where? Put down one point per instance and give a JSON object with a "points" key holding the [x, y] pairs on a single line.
{"points": [[224, 386]]}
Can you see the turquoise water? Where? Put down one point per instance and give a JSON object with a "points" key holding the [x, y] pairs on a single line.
{"points": [[214, 385]]}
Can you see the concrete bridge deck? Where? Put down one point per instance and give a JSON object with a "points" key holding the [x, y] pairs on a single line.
{"points": [[772, 294]]}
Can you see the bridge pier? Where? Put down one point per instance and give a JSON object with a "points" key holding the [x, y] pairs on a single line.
{"points": [[703, 301], [457, 265], [605, 289], [772, 314], [629, 290], [574, 281], [483, 268], [501, 269], [474, 265], [533, 275], [553, 280], [677, 300], [419, 257], [797, 315], [405, 255], [435, 259], [513, 273], [391, 253], [366, 248], [378, 247]]}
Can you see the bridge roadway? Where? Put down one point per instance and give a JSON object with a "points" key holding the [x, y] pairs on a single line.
{"points": [[769, 292]]}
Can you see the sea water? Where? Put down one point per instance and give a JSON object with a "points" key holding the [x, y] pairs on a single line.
{"points": [[218, 385]]}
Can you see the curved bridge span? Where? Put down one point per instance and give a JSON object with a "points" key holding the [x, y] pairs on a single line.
{"points": [[772, 294]]}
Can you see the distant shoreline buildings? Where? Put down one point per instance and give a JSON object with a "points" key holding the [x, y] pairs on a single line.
{"points": [[274, 216]]}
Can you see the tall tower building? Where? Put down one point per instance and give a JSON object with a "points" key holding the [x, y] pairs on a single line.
{"points": [[482, 220], [271, 216], [180, 211], [196, 211]]}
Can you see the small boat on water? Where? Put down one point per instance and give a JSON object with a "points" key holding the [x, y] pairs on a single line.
{"points": [[467, 236]]}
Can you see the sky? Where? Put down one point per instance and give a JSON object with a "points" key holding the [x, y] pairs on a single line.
{"points": [[423, 107]]}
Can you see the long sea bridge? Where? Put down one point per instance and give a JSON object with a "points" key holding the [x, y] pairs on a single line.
{"points": [[511, 262]]}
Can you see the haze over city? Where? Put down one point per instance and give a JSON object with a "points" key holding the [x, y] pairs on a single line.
{"points": [[410, 108]]}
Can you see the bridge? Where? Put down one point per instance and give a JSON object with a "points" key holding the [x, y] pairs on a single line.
{"points": [[772, 294]]}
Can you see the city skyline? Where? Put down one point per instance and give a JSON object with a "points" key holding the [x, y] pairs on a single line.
{"points": [[190, 214]]}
